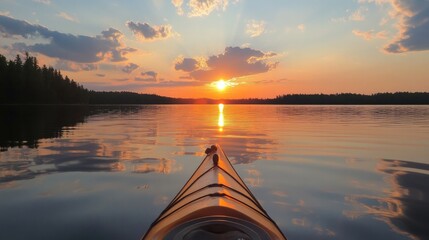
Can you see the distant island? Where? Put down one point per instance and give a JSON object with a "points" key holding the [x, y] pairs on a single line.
{"points": [[25, 82]]}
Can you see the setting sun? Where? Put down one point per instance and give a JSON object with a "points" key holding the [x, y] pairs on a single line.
{"points": [[221, 85]]}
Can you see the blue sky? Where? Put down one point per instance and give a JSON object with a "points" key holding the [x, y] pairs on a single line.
{"points": [[182, 48]]}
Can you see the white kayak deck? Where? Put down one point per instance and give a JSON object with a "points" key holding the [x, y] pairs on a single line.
{"points": [[215, 203]]}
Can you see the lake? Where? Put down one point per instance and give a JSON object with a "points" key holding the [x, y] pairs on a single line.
{"points": [[321, 172]]}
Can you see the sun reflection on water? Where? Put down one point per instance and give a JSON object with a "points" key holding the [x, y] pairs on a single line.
{"points": [[221, 122]]}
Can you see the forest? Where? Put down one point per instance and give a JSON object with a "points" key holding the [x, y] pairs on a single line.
{"points": [[23, 81], [353, 98]]}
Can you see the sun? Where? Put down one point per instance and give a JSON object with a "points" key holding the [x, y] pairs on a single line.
{"points": [[221, 85]]}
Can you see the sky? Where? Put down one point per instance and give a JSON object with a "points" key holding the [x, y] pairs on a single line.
{"points": [[226, 48]]}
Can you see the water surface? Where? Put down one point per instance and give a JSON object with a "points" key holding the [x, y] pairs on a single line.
{"points": [[106, 172]]}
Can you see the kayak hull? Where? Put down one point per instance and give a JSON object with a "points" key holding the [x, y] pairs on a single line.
{"points": [[215, 203]]}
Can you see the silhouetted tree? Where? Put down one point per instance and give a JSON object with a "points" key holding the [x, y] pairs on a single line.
{"points": [[25, 82]]}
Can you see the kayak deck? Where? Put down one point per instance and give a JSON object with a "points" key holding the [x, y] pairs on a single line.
{"points": [[214, 203]]}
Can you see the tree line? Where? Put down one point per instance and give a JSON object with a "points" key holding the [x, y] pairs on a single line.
{"points": [[25, 82], [353, 98]]}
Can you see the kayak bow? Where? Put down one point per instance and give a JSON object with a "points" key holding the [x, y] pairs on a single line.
{"points": [[215, 203]]}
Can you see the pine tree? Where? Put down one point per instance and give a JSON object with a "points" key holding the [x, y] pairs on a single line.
{"points": [[26, 82]]}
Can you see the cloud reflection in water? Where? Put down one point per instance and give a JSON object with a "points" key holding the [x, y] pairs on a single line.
{"points": [[116, 138], [405, 208]]}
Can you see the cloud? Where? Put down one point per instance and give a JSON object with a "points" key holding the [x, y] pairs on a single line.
{"points": [[198, 8], [412, 17], [413, 26], [77, 48], [140, 79], [47, 2], [269, 81], [147, 32], [66, 16], [369, 35], [205, 7], [130, 67], [178, 4], [75, 67], [384, 21], [374, 1], [301, 27], [255, 28], [120, 79], [149, 76], [186, 64], [233, 63], [358, 15]]}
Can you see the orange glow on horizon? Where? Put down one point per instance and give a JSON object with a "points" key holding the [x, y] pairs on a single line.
{"points": [[231, 92]]}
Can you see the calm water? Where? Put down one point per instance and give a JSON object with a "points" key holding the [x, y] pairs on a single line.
{"points": [[322, 172]]}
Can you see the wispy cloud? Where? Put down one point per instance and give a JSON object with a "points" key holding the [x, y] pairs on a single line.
{"points": [[234, 62], [358, 15], [178, 4], [120, 79], [47, 2], [198, 8], [78, 48], [369, 35], [66, 16], [148, 76], [301, 27], [146, 32], [75, 67], [255, 28], [374, 1], [130, 67]]}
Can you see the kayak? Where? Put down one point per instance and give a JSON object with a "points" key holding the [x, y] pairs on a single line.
{"points": [[214, 203]]}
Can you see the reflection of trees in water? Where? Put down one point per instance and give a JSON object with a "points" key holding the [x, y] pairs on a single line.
{"points": [[406, 208], [25, 126]]}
